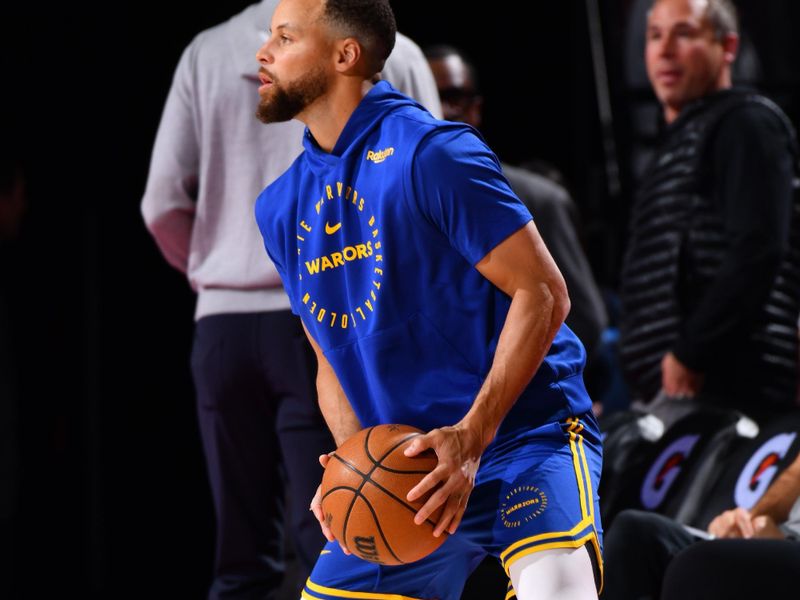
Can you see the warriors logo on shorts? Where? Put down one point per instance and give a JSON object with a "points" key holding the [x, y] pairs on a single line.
{"points": [[522, 504]]}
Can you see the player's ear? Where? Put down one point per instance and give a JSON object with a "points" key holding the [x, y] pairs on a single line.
{"points": [[348, 55]]}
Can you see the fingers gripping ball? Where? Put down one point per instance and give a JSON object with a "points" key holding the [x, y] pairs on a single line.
{"points": [[364, 491]]}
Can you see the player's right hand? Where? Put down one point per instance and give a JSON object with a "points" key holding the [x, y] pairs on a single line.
{"points": [[458, 450], [316, 507], [736, 523]]}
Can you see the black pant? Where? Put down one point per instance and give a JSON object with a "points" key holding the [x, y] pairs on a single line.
{"points": [[734, 570], [637, 549], [9, 465], [261, 428]]}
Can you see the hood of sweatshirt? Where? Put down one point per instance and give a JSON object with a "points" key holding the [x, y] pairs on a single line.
{"points": [[379, 102]]}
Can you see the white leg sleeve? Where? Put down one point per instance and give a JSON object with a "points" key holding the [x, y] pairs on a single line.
{"points": [[558, 574]]}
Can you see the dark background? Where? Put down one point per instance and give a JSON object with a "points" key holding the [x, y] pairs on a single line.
{"points": [[104, 491]]}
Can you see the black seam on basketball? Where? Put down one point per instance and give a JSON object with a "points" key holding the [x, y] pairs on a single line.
{"points": [[377, 461], [364, 479], [377, 464], [398, 499], [356, 495], [349, 465], [396, 446], [339, 487], [356, 492], [399, 472], [380, 529], [366, 445]]}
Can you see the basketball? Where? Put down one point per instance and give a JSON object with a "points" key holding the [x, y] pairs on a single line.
{"points": [[364, 491]]}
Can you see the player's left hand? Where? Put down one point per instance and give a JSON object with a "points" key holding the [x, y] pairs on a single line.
{"points": [[316, 508], [459, 450]]}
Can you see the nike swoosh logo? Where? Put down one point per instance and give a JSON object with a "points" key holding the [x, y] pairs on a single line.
{"points": [[330, 230]]}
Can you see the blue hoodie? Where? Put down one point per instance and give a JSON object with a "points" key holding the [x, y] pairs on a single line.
{"points": [[376, 244]]}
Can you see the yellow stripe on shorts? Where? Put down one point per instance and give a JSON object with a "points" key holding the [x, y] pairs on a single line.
{"points": [[321, 589]]}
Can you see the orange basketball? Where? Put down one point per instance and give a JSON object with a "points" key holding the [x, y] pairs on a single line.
{"points": [[364, 491]]}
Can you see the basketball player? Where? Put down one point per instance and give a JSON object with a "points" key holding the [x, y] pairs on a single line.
{"points": [[430, 300]]}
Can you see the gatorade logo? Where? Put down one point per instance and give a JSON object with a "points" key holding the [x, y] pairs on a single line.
{"points": [[761, 469], [665, 470], [765, 465], [673, 462]]}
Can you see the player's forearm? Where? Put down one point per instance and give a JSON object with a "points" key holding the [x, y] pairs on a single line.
{"points": [[334, 405], [535, 315], [777, 501], [333, 402]]}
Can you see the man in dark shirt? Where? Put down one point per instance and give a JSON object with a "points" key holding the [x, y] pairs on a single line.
{"points": [[710, 280]]}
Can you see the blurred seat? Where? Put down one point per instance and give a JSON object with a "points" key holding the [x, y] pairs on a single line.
{"points": [[647, 471], [743, 476]]}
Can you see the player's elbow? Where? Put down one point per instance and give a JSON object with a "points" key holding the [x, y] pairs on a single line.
{"points": [[560, 299], [549, 297]]}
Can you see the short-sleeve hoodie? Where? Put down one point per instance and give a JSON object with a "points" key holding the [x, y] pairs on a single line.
{"points": [[376, 243]]}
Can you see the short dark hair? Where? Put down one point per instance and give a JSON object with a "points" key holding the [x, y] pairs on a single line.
{"points": [[721, 15], [442, 51], [371, 22]]}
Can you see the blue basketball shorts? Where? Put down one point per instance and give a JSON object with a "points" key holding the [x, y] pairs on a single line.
{"points": [[536, 491]]}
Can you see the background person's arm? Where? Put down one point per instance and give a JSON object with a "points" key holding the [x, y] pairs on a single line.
{"points": [[779, 498], [772, 509], [168, 204]]}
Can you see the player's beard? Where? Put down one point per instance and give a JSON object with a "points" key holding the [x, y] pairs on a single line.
{"points": [[282, 103]]}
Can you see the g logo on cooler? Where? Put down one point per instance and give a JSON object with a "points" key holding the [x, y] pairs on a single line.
{"points": [[665, 469], [760, 470]]}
